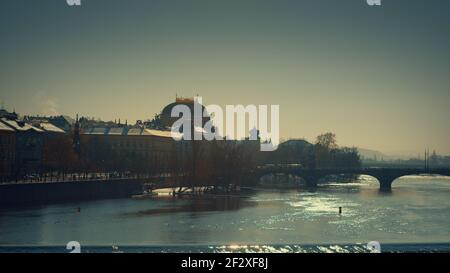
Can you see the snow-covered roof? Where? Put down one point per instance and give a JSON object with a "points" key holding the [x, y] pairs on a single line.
{"points": [[97, 131], [20, 125], [48, 127], [127, 131], [3, 127], [117, 131], [158, 133], [133, 131]]}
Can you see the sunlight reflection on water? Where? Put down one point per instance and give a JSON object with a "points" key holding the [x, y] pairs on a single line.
{"points": [[416, 211]]}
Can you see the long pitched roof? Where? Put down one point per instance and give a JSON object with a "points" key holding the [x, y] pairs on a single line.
{"points": [[3, 127], [20, 126], [48, 127], [127, 132]]}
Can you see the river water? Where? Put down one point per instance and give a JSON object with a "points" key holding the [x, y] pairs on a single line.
{"points": [[415, 216]]}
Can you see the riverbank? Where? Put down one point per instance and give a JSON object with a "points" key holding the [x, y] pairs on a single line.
{"points": [[45, 193]]}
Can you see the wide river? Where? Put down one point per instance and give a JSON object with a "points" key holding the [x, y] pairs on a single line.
{"points": [[414, 216]]}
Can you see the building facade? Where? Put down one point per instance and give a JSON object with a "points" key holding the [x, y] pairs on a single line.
{"points": [[7, 151], [57, 150], [28, 146], [137, 149]]}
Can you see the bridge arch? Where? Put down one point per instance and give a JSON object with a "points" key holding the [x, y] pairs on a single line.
{"points": [[423, 175], [385, 176]]}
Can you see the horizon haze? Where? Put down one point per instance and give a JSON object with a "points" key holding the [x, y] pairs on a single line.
{"points": [[376, 76]]}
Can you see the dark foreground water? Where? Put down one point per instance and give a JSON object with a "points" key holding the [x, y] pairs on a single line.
{"points": [[414, 217], [274, 248]]}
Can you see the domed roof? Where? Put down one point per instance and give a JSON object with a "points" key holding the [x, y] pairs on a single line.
{"points": [[166, 114]]}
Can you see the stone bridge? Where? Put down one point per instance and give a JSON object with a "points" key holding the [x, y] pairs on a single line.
{"points": [[385, 176]]}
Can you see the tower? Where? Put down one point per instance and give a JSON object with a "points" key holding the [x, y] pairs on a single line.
{"points": [[254, 134], [76, 136]]}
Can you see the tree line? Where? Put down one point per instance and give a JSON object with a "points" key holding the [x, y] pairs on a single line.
{"points": [[323, 154]]}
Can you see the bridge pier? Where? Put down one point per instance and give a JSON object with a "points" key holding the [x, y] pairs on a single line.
{"points": [[385, 184], [385, 181]]}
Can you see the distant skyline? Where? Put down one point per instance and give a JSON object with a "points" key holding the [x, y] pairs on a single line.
{"points": [[375, 76]]}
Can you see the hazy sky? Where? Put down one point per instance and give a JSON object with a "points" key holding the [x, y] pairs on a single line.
{"points": [[376, 76]]}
